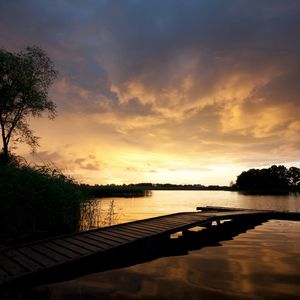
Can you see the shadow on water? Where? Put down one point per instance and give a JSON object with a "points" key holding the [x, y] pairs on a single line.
{"points": [[137, 253]]}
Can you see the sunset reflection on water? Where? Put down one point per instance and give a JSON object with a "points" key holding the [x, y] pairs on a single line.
{"points": [[262, 263], [168, 202]]}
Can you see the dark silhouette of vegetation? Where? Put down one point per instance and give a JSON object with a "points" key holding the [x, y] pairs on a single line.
{"points": [[112, 190], [37, 202], [144, 189], [276, 179], [35, 198], [169, 186], [40, 201], [24, 81]]}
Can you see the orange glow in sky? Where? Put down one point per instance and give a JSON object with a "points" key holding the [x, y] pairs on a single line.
{"points": [[149, 91]]}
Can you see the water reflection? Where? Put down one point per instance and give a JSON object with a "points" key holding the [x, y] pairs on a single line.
{"points": [[260, 264], [167, 202]]}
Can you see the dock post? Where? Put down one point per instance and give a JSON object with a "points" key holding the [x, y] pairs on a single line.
{"points": [[185, 232]]}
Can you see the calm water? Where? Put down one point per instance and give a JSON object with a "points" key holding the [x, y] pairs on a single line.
{"points": [[262, 263], [167, 202]]}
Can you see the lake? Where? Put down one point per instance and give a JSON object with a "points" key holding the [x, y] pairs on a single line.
{"points": [[262, 263], [167, 202]]}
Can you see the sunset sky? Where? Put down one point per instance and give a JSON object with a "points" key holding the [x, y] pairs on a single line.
{"points": [[164, 91]]}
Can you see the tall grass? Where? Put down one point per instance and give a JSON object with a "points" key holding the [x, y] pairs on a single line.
{"points": [[40, 201], [37, 199], [94, 214]]}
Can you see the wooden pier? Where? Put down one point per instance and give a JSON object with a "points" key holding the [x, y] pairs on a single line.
{"points": [[23, 262]]}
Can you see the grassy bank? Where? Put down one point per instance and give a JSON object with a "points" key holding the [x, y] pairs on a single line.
{"points": [[40, 201], [37, 200]]}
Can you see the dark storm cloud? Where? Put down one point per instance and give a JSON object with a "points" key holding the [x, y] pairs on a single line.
{"points": [[150, 40], [202, 77], [100, 44]]}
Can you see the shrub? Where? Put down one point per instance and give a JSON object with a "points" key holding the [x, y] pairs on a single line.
{"points": [[37, 198]]}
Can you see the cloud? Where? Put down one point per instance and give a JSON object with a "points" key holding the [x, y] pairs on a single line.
{"points": [[178, 79], [89, 163], [46, 156]]}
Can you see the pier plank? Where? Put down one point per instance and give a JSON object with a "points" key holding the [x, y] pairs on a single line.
{"points": [[23, 260], [117, 234], [120, 240], [38, 257], [90, 241], [130, 233], [62, 250], [136, 230], [109, 243], [84, 245], [58, 257], [70, 246], [10, 266], [20, 261], [4, 276], [169, 223], [153, 228]]}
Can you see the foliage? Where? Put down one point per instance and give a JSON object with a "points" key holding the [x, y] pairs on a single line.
{"points": [[144, 189], [275, 178], [101, 191], [37, 199], [24, 81]]}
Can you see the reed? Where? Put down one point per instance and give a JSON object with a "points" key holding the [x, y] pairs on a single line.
{"points": [[94, 214], [40, 201], [37, 199]]}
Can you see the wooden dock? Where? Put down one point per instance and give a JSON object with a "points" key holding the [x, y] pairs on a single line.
{"points": [[31, 260]]}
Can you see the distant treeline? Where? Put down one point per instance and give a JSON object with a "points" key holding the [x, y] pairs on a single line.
{"points": [[276, 179], [112, 190], [273, 180], [143, 189], [169, 186]]}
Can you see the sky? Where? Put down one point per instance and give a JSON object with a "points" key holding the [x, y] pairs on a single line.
{"points": [[177, 91]]}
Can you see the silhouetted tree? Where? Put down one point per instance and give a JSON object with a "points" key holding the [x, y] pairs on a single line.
{"points": [[24, 81], [275, 178], [294, 177]]}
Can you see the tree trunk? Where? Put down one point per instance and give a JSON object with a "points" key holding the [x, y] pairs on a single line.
{"points": [[5, 153]]}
